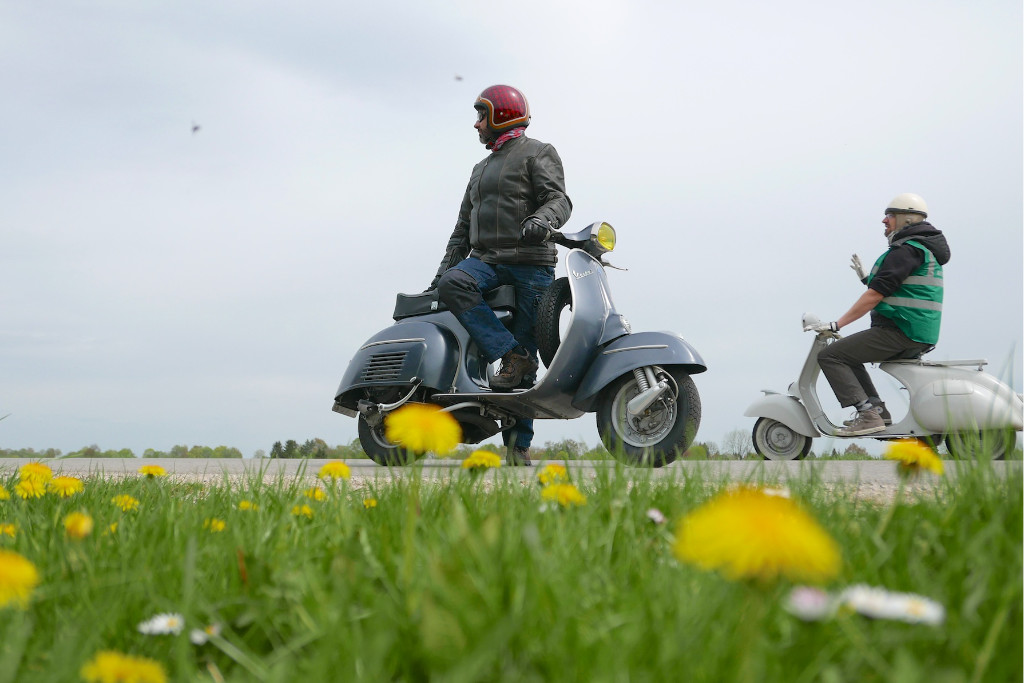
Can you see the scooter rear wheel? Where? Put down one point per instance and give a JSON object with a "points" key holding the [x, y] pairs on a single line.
{"points": [[994, 443], [378, 448], [665, 430], [775, 441]]}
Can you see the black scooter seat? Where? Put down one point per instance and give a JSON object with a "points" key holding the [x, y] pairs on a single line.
{"points": [[501, 298]]}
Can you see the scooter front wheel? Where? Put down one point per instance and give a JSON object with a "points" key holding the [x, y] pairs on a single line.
{"points": [[378, 448], [658, 435], [775, 441]]}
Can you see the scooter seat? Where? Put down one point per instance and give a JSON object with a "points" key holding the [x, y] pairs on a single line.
{"points": [[501, 298]]}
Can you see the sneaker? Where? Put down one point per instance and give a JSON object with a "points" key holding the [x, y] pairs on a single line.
{"points": [[868, 421], [881, 410], [514, 368], [518, 456]]}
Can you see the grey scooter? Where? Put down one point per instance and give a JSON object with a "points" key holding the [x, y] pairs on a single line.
{"points": [[638, 383], [952, 400]]}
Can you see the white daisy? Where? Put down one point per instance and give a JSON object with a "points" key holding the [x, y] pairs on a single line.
{"points": [[163, 624], [879, 603], [810, 604], [200, 636], [656, 516]]}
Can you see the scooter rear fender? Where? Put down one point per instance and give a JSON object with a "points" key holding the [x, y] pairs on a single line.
{"points": [[632, 351], [397, 355], [785, 409]]}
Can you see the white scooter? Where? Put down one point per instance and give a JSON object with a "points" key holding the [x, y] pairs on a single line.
{"points": [[953, 400]]}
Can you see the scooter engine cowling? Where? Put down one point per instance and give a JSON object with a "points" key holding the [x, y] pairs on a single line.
{"points": [[396, 356]]}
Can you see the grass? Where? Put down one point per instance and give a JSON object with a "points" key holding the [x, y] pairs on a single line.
{"points": [[470, 579]]}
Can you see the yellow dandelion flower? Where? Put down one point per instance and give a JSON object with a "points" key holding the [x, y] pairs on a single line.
{"points": [[369, 503], [65, 487], [912, 456], [552, 474], [314, 493], [9, 530], [110, 666], [419, 428], [30, 488], [746, 533], [35, 470], [125, 502], [112, 529], [18, 578], [4, 494], [563, 494], [78, 525], [481, 460], [334, 470], [152, 471], [247, 505], [303, 511], [214, 525]]}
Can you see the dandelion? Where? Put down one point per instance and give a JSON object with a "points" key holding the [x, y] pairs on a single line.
{"points": [[247, 505], [745, 534], [109, 666], [369, 503], [112, 529], [201, 636], [36, 471], [303, 511], [214, 525], [912, 456], [125, 502], [18, 578], [656, 516], [9, 530], [153, 471], [419, 428], [552, 473], [163, 624], [30, 488], [65, 487], [334, 470], [810, 604], [78, 525], [478, 461], [4, 494], [315, 493], [878, 603], [563, 494]]}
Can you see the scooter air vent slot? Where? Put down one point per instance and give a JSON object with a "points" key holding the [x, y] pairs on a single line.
{"points": [[384, 367]]}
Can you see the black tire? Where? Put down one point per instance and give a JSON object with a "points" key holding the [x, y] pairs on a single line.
{"points": [[993, 443], [665, 430], [379, 449], [549, 310], [775, 441]]}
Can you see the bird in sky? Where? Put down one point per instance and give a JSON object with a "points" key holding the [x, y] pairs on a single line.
{"points": [[458, 77], [195, 128]]}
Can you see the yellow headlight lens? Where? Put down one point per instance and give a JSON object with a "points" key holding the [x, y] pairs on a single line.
{"points": [[606, 237]]}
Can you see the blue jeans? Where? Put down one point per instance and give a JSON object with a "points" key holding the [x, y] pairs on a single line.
{"points": [[466, 302]]}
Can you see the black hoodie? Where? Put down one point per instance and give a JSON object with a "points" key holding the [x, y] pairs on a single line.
{"points": [[901, 260]]}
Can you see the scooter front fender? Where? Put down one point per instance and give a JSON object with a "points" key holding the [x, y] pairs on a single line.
{"points": [[632, 351], [785, 409]]}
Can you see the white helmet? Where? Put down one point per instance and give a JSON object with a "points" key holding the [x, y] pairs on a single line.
{"points": [[908, 203]]}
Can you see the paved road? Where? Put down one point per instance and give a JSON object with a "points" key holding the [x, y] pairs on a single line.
{"points": [[869, 473]]}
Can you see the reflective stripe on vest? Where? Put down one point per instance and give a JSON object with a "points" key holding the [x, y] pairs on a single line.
{"points": [[916, 307]]}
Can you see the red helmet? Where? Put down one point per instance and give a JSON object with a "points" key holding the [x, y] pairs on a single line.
{"points": [[504, 106]]}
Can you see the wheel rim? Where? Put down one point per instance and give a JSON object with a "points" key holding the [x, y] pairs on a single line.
{"points": [[779, 441], [649, 429]]}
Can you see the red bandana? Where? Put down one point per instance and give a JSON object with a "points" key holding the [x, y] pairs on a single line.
{"points": [[506, 136]]}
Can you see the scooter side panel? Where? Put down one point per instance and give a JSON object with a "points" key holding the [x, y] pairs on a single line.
{"points": [[785, 409], [630, 352], [396, 355]]}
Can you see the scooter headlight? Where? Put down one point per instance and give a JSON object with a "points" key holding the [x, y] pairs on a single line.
{"points": [[604, 239]]}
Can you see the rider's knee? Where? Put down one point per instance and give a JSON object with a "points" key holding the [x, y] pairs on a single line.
{"points": [[458, 290]]}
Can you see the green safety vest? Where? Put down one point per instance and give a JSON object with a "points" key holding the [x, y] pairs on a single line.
{"points": [[916, 307]]}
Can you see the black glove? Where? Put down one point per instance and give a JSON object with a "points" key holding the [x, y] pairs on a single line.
{"points": [[535, 231]]}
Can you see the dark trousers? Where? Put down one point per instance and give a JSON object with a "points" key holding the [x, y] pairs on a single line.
{"points": [[462, 288], [842, 361]]}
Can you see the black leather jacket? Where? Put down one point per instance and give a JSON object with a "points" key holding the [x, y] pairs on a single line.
{"points": [[524, 178]]}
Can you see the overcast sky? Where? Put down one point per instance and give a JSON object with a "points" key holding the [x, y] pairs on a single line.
{"points": [[162, 287]]}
